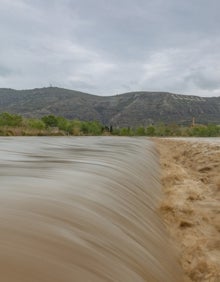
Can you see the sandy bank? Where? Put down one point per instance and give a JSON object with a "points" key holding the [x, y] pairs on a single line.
{"points": [[191, 204]]}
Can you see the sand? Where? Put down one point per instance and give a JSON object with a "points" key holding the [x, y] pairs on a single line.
{"points": [[191, 204]]}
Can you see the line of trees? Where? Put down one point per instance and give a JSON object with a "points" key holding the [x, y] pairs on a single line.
{"points": [[168, 130], [13, 124]]}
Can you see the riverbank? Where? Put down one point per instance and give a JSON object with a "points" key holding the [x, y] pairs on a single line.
{"points": [[191, 204], [16, 125]]}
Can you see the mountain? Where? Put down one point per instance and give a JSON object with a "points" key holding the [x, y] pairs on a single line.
{"points": [[128, 109]]}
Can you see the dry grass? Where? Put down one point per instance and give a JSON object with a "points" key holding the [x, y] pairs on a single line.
{"points": [[24, 131]]}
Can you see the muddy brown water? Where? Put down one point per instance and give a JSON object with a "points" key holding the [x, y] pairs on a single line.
{"points": [[82, 209]]}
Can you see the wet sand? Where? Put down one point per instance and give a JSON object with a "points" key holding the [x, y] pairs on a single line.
{"points": [[191, 203]]}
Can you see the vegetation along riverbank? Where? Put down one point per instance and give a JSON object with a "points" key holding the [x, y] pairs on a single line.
{"points": [[50, 125]]}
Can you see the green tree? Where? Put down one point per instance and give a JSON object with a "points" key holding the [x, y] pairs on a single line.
{"points": [[50, 121], [160, 130], [74, 127], [62, 123], [7, 119], [140, 131], [91, 128], [150, 131], [124, 131], [36, 124], [213, 130]]}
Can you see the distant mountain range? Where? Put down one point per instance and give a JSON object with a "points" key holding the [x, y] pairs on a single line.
{"points": [[128, 109]]}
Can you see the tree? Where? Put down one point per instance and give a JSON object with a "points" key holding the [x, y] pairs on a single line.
{"points": [[91, 127], [50, 121], [36, 124], [140, 131], [7, 119], [62, 123], [150, 131]]}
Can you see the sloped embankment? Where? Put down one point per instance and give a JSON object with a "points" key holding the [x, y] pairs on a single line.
{"points": [[191, 204]]}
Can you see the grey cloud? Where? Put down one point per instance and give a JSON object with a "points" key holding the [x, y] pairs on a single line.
{"points": [[108, 47], [4, 71], [204, 81]]}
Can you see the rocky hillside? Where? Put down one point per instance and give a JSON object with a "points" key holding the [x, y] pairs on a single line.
{"points": [[129, 109]]}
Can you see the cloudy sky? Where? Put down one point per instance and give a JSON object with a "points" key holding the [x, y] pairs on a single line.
{"points": [[108, 47]]}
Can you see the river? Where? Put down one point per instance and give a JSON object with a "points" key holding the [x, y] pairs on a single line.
{"points": [[82, 209]]}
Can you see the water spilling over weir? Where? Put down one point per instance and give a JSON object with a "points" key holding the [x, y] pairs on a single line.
{"points": [[82, 209]]}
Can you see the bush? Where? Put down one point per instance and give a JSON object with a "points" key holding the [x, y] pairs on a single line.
{"points": [[50, 121], [62, 123], [140, 131], [91, 128], [7, 119], [36, 124], [150, 131], [124, 131]]}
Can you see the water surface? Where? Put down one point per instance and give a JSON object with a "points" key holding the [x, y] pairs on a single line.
{"points": [[82, 209]]}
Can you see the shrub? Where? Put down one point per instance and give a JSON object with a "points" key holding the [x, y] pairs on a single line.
{"points": [[50, 121], [36, 124], [7, 119], [150, 131], [140, 131]]}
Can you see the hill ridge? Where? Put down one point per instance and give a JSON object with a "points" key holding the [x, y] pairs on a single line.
{"points": [[126, 109]]}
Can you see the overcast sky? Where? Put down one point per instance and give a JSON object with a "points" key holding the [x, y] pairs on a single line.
{"points": [[108, 47]]}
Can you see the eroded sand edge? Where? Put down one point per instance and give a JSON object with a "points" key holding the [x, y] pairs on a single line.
{"points": [[191, 204]]}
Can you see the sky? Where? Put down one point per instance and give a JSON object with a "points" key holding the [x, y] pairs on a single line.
{"points": [[107, 47]]}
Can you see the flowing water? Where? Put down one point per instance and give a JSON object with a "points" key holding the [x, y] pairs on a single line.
{"points": [[82, 209]]}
